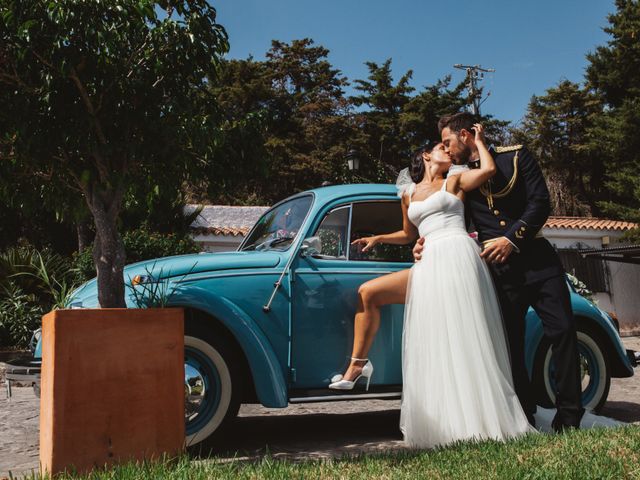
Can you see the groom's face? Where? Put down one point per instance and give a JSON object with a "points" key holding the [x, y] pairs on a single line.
{"points": [[455, 147]]}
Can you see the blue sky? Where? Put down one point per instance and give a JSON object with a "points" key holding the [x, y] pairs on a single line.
{"points": [[532, 45]]}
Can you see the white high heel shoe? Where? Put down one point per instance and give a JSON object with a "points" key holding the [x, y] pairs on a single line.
{"points": [[340, 384]]}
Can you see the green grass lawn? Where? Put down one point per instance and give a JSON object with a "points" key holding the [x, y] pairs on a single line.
{"points": [[585, 454]]}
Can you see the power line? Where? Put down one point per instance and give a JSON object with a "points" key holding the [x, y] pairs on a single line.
{"points": [[475, 73]]}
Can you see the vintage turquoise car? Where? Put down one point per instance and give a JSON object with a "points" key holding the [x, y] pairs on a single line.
{"points": [[273, 321]]}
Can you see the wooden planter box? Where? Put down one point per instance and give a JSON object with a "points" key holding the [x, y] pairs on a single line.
{"points": [[112, 387]]}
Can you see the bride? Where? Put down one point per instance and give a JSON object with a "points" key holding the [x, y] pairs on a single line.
{"points": [[457, 381]]}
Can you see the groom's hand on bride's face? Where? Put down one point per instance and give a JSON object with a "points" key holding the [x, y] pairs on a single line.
{"points": [[417, 249], [498, 251]]}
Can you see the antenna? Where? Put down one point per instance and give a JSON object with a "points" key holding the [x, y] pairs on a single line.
{"points": [[475, 73]]}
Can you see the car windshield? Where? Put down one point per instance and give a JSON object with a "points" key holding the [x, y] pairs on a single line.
{"points": [[277, 228]]}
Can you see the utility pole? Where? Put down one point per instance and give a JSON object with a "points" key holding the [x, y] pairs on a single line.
{"points": [[475, 73]]}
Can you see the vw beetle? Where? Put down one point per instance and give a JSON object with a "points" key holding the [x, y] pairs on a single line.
{"points": [[272, 322]]}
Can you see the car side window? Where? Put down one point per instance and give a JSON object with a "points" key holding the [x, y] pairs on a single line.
{"points": [[375, 218], [333, 233]]}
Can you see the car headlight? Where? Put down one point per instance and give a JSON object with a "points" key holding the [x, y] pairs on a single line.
{"points": [[141, 279]]}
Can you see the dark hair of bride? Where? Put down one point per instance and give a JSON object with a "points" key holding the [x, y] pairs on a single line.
{"points": [[416, 169]]}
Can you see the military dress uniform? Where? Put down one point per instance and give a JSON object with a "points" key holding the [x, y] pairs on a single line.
{"points": [[515, 204]]}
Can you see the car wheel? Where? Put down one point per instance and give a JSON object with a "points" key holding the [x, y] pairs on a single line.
{"points": [[595, 374], [212, 387]]}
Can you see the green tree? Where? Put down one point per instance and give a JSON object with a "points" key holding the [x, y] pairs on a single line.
{"points": [[37, 206], [419, 119], [586, 136], [613, 68], [308, 124], [285, 122], [110, 94], [555, 128], [393, 119], [382, 142], [614, 137], [613, 75], [243, 94], [288, 126]]}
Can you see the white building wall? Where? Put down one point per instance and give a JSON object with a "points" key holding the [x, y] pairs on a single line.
{"points": [[623, 297], [218, 243]]}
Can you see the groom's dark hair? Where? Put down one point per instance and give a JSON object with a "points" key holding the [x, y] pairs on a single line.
{"points": [[457, 122]]}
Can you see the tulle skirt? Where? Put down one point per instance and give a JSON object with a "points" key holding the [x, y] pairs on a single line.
{"points": [[455, 364]]}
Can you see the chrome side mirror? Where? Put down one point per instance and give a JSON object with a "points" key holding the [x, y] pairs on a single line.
{"points": [[311, 246]]}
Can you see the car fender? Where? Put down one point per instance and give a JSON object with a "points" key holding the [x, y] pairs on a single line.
{"points": [[621, 364], [581, 308], [266, 371]]}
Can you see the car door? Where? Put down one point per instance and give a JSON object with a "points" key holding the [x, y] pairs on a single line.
{"points": [[324, 295]]}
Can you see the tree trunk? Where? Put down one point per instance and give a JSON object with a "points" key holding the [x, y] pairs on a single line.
{"points": [[84, 235], [108, 248], [109, 258]]}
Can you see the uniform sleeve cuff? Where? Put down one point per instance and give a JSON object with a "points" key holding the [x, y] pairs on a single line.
{"points": [[515, 247]]}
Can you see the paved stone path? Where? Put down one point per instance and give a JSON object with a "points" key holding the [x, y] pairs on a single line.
{"points": [[303, 431], [19, 431]]}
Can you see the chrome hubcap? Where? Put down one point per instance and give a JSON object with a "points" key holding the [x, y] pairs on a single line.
{"points": [[194, 392], [585, 372]]}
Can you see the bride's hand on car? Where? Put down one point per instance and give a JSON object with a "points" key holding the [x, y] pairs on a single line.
{"points": [[367, 243]]}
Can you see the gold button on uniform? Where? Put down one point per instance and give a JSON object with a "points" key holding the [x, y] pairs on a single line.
{"points": [[502, 223], [496, 212]]}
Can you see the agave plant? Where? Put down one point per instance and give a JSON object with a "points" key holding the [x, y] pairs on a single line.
{"points": [[31, 284], [55, 277], [20, 315], [13, 261], [37, 273], [47, 277]]}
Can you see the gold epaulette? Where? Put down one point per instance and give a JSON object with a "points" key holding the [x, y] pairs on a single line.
{"points": [[509, 148]]}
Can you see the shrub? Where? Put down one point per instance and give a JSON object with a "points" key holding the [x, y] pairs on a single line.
{"points": [[34, 271], [581, 288], [20, 315], [632, 236], [144, 245], [32, 283], [139, 245]]}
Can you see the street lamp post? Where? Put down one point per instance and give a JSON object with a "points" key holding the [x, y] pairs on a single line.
{"points": [[353, 162]]}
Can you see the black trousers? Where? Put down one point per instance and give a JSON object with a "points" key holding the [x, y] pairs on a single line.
{"points": [[551, 301]]}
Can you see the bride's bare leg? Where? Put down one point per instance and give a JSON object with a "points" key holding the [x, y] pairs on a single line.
{"points": [[372, 295]]}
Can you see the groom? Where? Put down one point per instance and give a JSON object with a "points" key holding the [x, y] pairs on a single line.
{"points": [[508, 213]]}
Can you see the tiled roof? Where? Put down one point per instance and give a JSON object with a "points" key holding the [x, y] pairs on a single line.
{"points": [[232, 231], [225, 219], [587, 223]]}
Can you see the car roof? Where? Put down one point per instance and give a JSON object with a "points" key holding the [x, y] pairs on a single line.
{"points": [[333, 192]]}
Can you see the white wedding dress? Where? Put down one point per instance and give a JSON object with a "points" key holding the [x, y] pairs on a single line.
{"points": [[455, 359]]}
